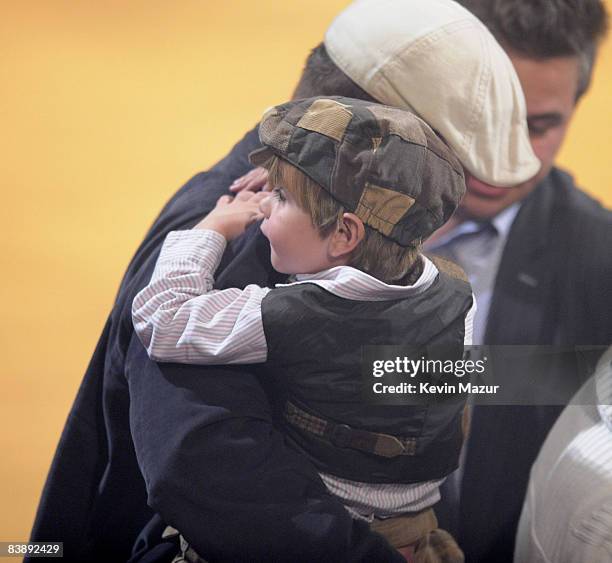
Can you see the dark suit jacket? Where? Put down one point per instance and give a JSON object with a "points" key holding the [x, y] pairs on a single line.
{"points": [[554, 286], [195, 445]]}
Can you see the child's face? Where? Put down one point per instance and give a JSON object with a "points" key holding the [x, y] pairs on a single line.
{"points": [[296, 246]]}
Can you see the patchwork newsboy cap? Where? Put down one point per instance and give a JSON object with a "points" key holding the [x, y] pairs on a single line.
{"points": [[384, 164]]}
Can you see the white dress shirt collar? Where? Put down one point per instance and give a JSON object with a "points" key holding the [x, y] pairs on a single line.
{"points": [[350, 283]]}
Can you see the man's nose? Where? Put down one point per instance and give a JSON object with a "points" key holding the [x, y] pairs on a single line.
{"points": [[265, 205]]}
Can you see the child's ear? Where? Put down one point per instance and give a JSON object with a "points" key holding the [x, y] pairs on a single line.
{"points": [[348, 235]]}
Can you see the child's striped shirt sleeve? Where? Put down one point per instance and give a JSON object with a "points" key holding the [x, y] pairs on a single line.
{"points": [[179, 317]]}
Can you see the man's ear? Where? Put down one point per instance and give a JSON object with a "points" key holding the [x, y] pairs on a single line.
{"points": [[346, 238]]}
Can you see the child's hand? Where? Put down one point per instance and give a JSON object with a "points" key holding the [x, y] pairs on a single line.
{"points": [[231, 216], [253, 181]]}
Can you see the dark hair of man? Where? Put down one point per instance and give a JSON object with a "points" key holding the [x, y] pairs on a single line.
{"points": [[542, 29], [321, 77]]}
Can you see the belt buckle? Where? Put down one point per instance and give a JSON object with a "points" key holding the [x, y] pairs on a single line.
{"points": [[388, 446]]}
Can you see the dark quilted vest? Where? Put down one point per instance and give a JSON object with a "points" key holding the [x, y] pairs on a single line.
{"points": [[314, 343]]}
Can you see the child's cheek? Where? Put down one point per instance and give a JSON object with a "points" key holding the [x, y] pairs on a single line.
{"points": [[270, 229]]}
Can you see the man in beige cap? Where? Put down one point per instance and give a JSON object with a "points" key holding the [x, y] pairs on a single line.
{"points": [[148, 445], [538, 258]]}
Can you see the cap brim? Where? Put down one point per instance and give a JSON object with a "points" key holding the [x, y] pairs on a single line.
{"points": [[260, 156], [504, 163]]}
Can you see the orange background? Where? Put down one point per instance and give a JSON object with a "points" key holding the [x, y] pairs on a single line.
{"points": [[107, 108]]}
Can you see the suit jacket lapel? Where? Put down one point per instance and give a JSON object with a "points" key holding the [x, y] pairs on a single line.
{"points": [[520, 308]]}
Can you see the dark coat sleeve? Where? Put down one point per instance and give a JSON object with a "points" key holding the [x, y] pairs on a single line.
{"points": [[197, 445]]}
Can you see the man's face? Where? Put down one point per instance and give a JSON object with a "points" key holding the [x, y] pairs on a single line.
{"points": [[550, 92]]}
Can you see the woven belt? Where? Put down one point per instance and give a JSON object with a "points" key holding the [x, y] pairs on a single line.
{"points": [[344, 436]]}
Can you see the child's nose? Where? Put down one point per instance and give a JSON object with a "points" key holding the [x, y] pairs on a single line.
{"points": [[265, 205]]}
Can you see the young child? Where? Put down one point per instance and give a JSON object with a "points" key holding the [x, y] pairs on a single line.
{"points": [[357, 187]]}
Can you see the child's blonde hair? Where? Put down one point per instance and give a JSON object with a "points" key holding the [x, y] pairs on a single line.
{"points": [[376, 255]]}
